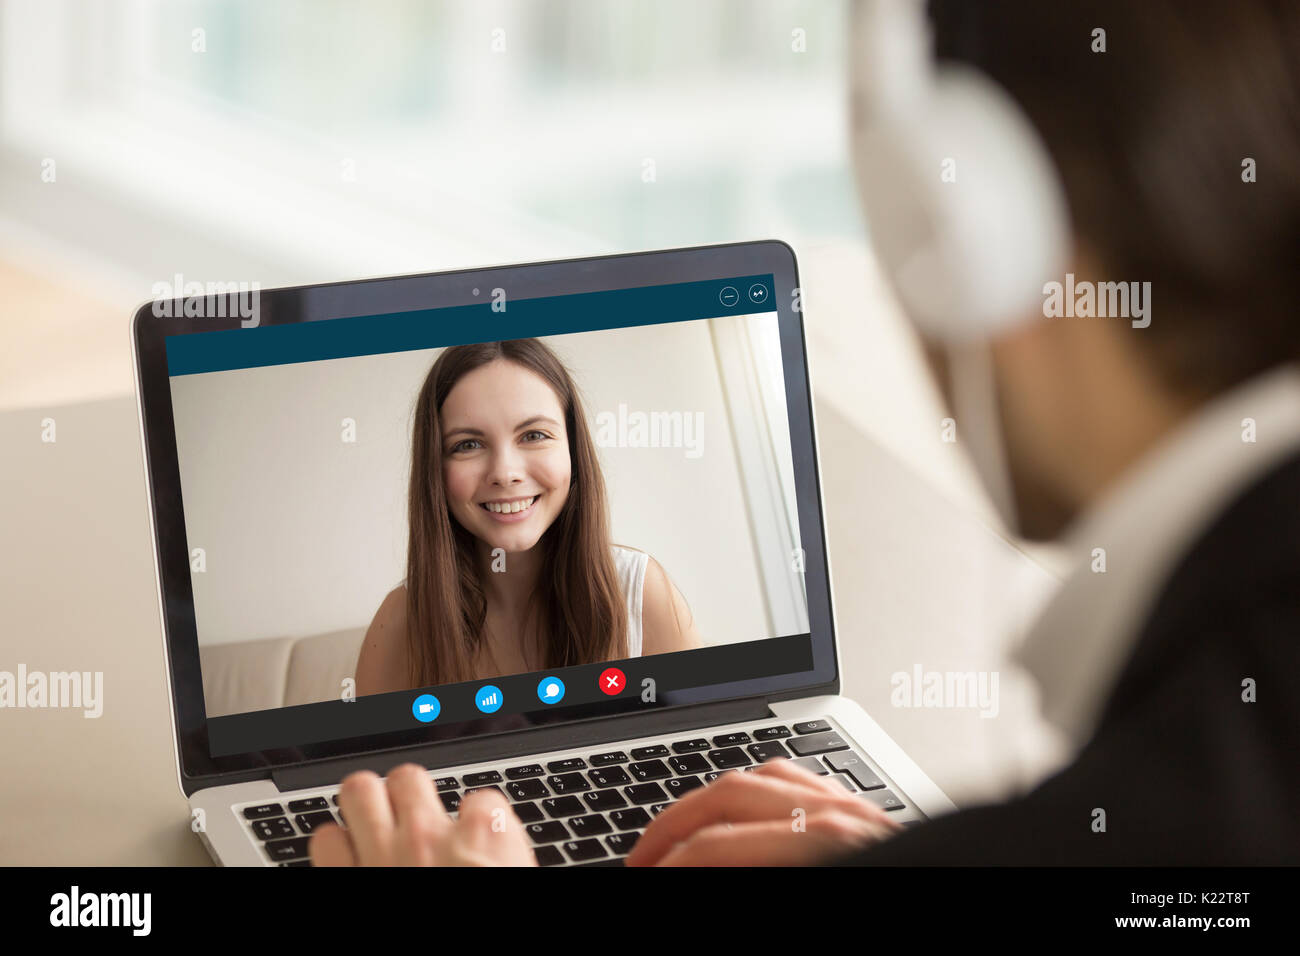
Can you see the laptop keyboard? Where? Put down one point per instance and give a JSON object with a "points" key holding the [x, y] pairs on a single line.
{"points": [[590, 807]]}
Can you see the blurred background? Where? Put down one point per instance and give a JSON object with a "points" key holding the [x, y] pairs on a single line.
{"points": [[291, 142], [299, 141]]}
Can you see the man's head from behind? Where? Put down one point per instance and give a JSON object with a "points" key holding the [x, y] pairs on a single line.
{"points": [[1174, 130]]}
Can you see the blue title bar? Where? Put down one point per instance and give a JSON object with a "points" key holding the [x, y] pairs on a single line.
{"points": [[259, 346]]}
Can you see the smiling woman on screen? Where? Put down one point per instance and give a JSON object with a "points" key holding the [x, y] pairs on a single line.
{"points": [[510, 567]]}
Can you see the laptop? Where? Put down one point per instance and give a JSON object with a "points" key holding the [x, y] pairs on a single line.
{"points": [[345, 511]]}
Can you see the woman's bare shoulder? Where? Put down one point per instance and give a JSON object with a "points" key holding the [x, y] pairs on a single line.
{"points": [[381, 665], [666, 621]]}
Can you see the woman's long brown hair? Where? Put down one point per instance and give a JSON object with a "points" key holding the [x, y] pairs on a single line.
{"points": [[577, 604]]}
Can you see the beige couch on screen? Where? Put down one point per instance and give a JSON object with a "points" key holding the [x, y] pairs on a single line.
{"points": [[278, 672]]}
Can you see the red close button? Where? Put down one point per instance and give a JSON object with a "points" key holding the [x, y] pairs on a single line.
{"points": [[612, 681]]}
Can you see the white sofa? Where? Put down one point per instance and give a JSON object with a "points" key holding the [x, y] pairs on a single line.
{"points": [[278, 671]]}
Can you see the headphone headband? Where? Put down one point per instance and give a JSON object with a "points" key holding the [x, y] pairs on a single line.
{"points": [[965, 208]]}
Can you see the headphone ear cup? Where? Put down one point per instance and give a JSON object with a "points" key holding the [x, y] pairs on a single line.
{"points": [[964, 207]]}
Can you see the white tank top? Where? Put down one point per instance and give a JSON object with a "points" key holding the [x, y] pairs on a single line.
{"points": [[631, 567]]}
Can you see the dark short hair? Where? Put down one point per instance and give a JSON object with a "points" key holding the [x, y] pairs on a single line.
{"points": [[1150, 139]]}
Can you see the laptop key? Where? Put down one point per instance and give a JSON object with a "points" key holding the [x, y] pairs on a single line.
{"points": [[691, 746], [450, 800], [645, 793], [568, 783], [620, 844], [633, 818], [291, 849], [856, 768], [679, 787], [607, 759], [731, 740], [479, 779], [729, 758], [768, 750], [648, 753], [446, 783], [548, 855], [658, 808], [603, 800], [713, 775], [273, 829], [528, 812], [817, 744], [812, 727], [650, 770], [263, 810], [311, 803], [690, 763], [772, 733], [582, 850], [592, 825], [811, 763], [527, 790], [885, 799], [609, 777], [548, 832], [529, 770], [307, 822], [567, 766], [563, 806]]}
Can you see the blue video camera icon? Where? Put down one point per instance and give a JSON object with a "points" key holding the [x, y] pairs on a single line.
{"points": [[426, 708]]}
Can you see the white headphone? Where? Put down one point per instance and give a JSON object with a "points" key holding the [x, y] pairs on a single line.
{"points": [[965, 208]]}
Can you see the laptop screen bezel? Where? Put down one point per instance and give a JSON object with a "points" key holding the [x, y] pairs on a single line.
{"points": [[395, 294]]}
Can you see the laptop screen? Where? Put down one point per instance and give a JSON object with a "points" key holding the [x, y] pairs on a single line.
{"points": [[487, 516]]}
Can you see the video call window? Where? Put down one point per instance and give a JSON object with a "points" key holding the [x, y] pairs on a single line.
{"points": [[388, 522]]}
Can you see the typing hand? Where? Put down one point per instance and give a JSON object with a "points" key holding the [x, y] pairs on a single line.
{"points": [[405, 824], [750, 819]]}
